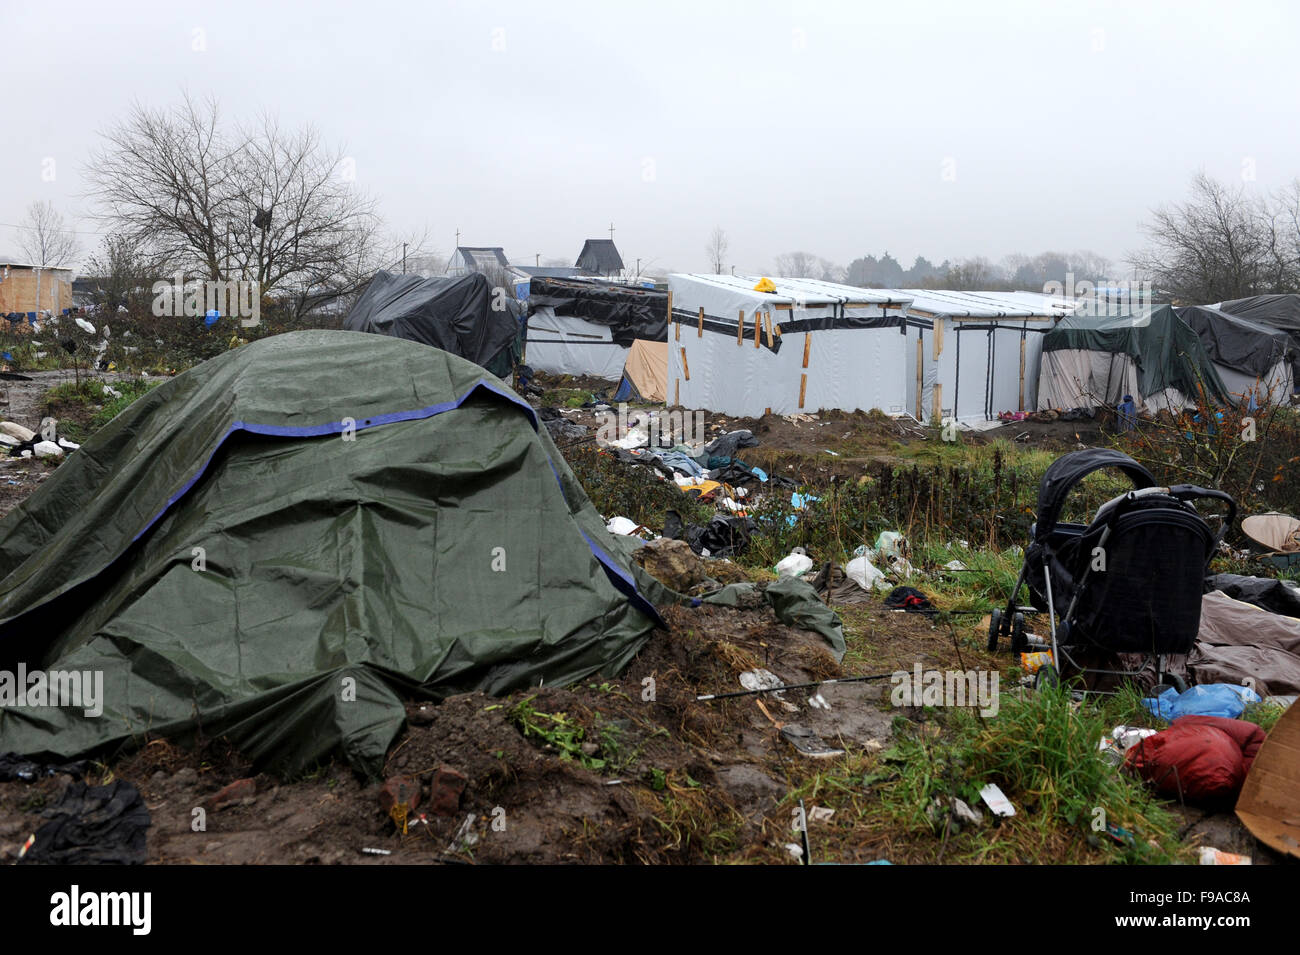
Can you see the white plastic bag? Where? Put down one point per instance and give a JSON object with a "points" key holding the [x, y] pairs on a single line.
{"points": [[795, 564], [863, 573]]}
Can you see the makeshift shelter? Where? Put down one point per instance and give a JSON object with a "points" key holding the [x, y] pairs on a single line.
{"points": [[1094, 360], [1276, 311], [1254, 360], [645, 375], [586, 328], [281, 544], [802, 345], [973, 355], [463, 315], [600, 257]]}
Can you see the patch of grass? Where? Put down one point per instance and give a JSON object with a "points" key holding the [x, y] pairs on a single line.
{"points": [[85, 407], [1041, 750], [556, 730]]}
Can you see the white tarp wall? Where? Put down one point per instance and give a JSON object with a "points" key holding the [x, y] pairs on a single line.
{"points": [[1078, 378], [714, 364], [563, 345], [1268, 390], [973, 355]]}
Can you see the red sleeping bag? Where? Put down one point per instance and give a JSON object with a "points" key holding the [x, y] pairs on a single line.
{"points": [[1206, 758]]}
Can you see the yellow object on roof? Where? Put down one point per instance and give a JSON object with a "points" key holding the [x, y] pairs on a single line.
{"points": [[765, 285]]}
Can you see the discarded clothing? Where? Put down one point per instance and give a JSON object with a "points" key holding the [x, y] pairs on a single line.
{"points": [[93, 825], [721, 537], [1279, 596], [1199, 758], [911, 600], [728, 444], [835, 586], [684, 463], [1238, 641], [15, 767]]}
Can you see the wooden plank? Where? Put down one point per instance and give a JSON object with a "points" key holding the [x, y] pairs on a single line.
{"points": [[807, 344], [938, 339], [740, 329], [937, 409], [701, 325], [758, 325], [677, 392], [803, 387], [686, 369], [767, 328]]}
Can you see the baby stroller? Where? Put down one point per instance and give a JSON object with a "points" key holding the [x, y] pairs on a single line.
{"points": [[1128, 582]]}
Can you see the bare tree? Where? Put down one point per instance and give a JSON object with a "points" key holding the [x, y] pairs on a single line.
{"points": [[44, 239], [799, 265], [717, 249], [1217, 245], [123, 272], [257, 203]]}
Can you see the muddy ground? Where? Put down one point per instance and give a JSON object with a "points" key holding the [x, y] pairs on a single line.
{"points": [[637, 769]]}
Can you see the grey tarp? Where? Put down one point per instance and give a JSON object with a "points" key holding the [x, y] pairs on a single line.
{"points": [[462, 315], [280, 543]]}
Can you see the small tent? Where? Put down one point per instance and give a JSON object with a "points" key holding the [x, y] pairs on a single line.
{"points": [[588, 328], [1091, 361], [281, 544], [463, 315], [1254, 360], [645, 375], [744, 346], [973, 355]]}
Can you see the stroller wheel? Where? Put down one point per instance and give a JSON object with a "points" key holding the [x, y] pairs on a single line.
{"points": [[995, 627], [1018, 642], [1047, 677]]}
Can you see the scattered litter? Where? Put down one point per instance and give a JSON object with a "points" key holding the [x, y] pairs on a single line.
{"points": [[820, 814], [795, 850], [955, 565], [112, 392], [818, 702], [965, 814], [760, 679], [367, 850], [1211, 699], [795, 564], [464, 838], [1212, 856], [623, 526], [863, 573], [807, 742], [47, 449], [997, 801], [1033, 662]]}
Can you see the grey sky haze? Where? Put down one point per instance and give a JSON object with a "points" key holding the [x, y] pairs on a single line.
{"points": [[947, 129]]}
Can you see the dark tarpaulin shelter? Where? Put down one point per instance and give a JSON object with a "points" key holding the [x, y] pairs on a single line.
{"points": [[627, 311], [1277, 311], [276, 548], [456, 314], [1235, 342], [1166, 352]]}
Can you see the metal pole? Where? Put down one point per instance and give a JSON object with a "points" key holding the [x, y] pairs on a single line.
{"points": [[403, 258]]}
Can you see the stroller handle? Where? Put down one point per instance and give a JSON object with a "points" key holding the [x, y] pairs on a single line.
{"points": [[1187, 492], [1190, 492]]}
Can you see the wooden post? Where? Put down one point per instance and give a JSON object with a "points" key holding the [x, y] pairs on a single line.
{"points": [[686, 369], [803, 387], [1022, 374], [807, 344], [677, 391], [920, 371], [758, 324], [937, 410], [701, 325], [740, 329]]}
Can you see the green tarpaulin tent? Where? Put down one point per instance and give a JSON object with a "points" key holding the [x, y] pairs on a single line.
{"points": [[1092, 360], [280, 544]]}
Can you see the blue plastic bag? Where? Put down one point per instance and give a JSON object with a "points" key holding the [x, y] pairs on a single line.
{"points": [[1211, 699]]}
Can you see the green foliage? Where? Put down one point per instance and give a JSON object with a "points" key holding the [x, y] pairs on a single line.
{"points": [[556, 730]]}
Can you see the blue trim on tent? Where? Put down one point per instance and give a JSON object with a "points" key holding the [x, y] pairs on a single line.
{"points": [[622, 581]]}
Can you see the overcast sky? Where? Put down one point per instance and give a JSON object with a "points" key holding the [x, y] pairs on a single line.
{"points": [[947, 129]]}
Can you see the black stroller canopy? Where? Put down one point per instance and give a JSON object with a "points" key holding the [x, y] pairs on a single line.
{"points": [[1068, 470]]}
